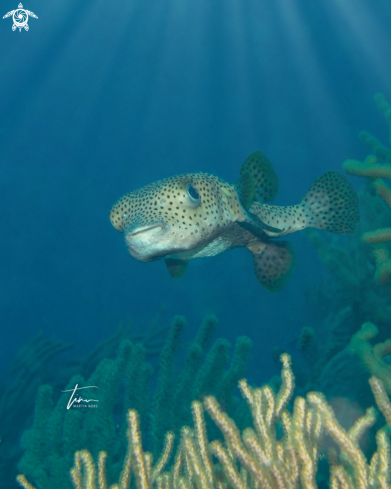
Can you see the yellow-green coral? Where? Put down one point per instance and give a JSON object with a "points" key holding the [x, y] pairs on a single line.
{"points": [[57, 433], [257, 457], [369, 168], [376, 167], [372, 355]]}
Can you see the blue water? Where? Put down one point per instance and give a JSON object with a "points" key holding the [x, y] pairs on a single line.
{"points": [[100, 98]]}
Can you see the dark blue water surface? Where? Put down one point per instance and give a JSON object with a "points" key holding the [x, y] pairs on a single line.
{"points": [[100, 98]]}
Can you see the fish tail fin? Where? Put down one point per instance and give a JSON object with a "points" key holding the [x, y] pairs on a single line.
{"points": [[265, 178], [273, 263], [331, 204]]}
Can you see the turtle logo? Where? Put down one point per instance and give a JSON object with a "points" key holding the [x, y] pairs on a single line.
{"points": [[20, 17]]}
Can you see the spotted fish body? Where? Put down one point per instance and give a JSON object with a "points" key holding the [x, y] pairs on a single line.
{"points": [[198, 215]]}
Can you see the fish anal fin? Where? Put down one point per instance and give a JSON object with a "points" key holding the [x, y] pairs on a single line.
{"points": [[245, 188], [332, 204], [265, 178], [273, 263], [176, 268]]}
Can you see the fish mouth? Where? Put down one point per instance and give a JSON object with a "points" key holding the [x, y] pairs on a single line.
{"points": [[146, 230], [142, 241]]}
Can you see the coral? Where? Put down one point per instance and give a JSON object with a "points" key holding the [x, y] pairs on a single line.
{"points": [[355, 286], [41, 360], [376, 167], [28, 370], [152, 340], [306, 344], [57, 433], [351, 290], [351, 293], [347, 294], [258, 456], [342, 299], [372, 356]]}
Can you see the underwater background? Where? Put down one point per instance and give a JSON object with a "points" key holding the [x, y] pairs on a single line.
{"points": [[101, 98]]}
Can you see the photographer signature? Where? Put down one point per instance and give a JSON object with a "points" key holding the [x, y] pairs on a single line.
{"points": [[73, 397]]}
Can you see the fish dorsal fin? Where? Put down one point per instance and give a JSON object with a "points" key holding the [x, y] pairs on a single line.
{"points": [[273, 263], [176, 268], [245, 188], [265, 178]]}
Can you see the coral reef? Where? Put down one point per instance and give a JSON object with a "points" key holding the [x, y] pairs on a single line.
{"points": [[372, 356], [354, 289], [42, 360], [29, 369], [349, 294], [377, 167], [123, 382], [346, 296], [280, 450]]}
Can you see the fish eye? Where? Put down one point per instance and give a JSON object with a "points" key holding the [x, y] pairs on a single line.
{"points": [[193, 194]]}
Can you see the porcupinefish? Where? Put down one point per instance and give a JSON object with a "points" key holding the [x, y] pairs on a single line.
{"points": [[197, 215]]}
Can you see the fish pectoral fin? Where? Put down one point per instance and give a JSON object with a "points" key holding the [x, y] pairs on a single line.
{"points": [[176, 268], [273, 263], [245, 188]]}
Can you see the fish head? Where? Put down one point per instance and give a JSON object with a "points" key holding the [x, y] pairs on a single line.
{"points": [[175, 215]]}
